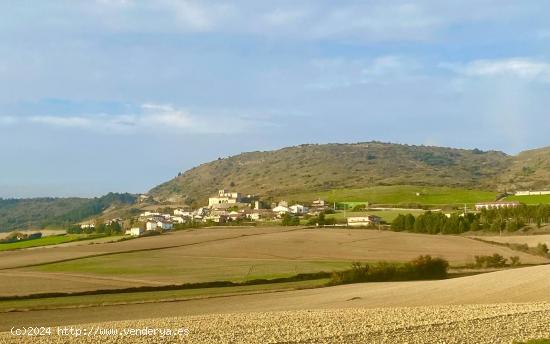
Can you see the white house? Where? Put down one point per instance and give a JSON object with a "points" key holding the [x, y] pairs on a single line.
{"points": [[298, 209], [363, 220], [136, 231], [281, 210], [151, 226], [178, 219], [182, 212], [164, 225]]}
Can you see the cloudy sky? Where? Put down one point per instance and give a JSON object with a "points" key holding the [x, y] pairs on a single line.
{"points": [[121, 95]]}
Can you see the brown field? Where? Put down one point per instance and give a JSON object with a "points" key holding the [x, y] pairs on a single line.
{"points": [[18, 258], [479, 324], [487, 308], [226, 254], [530, 240]]}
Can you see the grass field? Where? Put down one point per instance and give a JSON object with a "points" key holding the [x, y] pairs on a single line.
{"points": [[386, 215], [531, 199], [400, 194], [156, 265], [46, 241]]}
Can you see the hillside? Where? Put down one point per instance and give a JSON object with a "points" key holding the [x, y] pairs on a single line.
{"points": [[295, 170], [56, 212], [529, 170]]}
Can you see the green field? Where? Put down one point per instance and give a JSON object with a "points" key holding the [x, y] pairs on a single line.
{"points": [[48, 240], [169, 266], [151, 296], [400, 194], [531, 199]]}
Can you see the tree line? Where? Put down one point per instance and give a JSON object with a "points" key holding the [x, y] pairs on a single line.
{"points": [[495, 220]]}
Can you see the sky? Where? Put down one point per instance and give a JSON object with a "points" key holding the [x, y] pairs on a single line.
{"points": [[121, 95]]}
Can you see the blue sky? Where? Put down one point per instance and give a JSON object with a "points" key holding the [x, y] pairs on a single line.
{"points": [[121, 95]]}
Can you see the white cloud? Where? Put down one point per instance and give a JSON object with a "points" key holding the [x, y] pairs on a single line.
{"points": [[523, 68], [163, 117]]}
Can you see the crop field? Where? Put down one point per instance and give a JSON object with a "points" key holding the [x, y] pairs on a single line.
{"points": [[531, 199], [497, 307], [401, 194], [529, 240], [11, 259], [237, 255], [478, 324], [150, 296]]}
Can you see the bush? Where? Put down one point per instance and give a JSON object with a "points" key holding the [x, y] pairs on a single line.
{"points": [[514, 261], [289, 220], [494, 261]]}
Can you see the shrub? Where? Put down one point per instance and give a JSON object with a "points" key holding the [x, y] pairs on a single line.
{"points": [[494, 261], [514, 261]]}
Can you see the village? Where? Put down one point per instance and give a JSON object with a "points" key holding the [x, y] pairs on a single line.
{"points": [[230, 207]]}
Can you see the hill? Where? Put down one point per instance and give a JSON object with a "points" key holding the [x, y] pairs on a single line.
{"points": [[529, 170], [55, 212], [295, 170]]}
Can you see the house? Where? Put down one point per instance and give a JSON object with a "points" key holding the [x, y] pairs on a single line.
{"points": [[260, 214], [531, 193], [182, 212], [136, 231], [364, 220], [281, 210], [496, 205], [298, 209], [178, 219], [164, 225], [151, 226], [87, 225]]}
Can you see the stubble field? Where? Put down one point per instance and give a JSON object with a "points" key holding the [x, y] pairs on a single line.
{"points": [[235, 254]]}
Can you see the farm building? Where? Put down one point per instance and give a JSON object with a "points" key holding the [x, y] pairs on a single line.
{"points": [[496, 205], [364, 220], [298, 209], [136, 231]]}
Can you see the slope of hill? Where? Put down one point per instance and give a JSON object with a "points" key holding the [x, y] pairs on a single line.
{"points": [[529, 170], [302, 168], [44, 212]]}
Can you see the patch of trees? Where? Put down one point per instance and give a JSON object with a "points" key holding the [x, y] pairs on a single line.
{"points": [[495, 220], [290, 220], [495, 261], [17, 236], [421, 268], [321, 220]]}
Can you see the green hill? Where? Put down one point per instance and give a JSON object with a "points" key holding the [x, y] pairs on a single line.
{"points": [[308, 168]]}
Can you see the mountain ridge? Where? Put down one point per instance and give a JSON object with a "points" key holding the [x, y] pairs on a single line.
{"points": [[319, 167]]}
